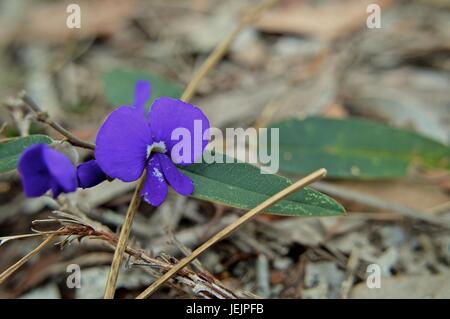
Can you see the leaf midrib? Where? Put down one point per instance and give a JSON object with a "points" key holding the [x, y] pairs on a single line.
{"points": [[358, 152], [253, 192]]}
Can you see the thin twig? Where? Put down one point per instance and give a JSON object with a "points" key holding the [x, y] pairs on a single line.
{"points": [[122, 242], [186, 252], [439, 209], [375, 202], [212, 60], [8, 272], [232, 227], [6, 239], [43, 117], [263, 276], [352, 264], [223, 47], [201, 284]]}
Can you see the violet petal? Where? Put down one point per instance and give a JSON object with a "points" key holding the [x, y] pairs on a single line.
{"points": [[33, 171], [62, 171], [168, 114], [121, 144], [155, 187], [182, 184], [43, 168], [56, 189], [142, 93], [90, 174]]}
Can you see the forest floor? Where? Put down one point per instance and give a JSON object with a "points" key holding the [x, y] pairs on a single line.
{"points": [[299, 58]]}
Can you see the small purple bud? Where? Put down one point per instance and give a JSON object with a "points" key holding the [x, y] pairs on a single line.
{"points": [[90, 174], [42, 168]]}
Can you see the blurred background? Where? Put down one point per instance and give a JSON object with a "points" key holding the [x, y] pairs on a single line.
{"points": [[299, 58]]}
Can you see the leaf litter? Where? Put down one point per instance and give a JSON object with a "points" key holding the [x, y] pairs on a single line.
{"points": [[283, 66]]}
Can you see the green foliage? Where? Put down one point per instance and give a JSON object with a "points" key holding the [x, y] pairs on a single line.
{"points": [[119, 86], [243, 186], [11, 149], [239, 185], [355, 148]]}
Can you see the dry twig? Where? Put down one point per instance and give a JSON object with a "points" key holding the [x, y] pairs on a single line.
{"points": [[76, 228], [8, 272], [232, 227], [43, 117], [215, 56]]}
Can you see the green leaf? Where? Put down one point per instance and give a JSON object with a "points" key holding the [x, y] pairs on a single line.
{"points": [[355, 148], [11, 149], [119, 86], [243, 186]]}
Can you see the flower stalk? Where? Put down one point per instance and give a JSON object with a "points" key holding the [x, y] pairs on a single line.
{"points": [[43, 117], [123, 239], [8, 272], [231, 228], [215, 56]]}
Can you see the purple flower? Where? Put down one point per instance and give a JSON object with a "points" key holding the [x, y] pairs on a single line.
{"points": [[130, 141], [90, 174], [42, 168]]}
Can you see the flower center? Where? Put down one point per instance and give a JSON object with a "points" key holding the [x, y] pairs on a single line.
{"points": [[158, 147]]}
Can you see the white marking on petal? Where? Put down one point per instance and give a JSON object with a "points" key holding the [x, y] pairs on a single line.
{"points": [[159, 147], [157, 173]]}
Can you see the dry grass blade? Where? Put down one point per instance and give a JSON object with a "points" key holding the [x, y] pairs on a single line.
{"points": [[122, 243], [5, 239], [232, 227], [223, 47], [214, 57], [375, 202], [8, 272], [44, 118]]}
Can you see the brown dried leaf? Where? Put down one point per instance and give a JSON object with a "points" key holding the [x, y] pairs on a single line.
{"points": [[414, 287], [327, 21], [47, 22]]}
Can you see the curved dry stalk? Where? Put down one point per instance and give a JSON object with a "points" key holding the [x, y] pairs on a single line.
{"points": [[231, 228], [8, 272], [5, 239], [223, 47], [122, 242], [43, 117], [188, 93]]}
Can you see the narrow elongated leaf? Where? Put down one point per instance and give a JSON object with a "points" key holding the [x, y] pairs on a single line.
{"points": [[119, 86], [355, 148], [243, 186], [11, 149]]}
